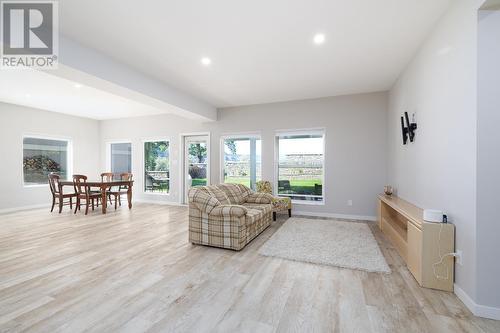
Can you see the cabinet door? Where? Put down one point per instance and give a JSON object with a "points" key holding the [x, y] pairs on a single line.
{"points": [[414, 261]]}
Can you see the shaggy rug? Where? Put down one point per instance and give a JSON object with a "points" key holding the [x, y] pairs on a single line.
{"points": [[327, 242]]}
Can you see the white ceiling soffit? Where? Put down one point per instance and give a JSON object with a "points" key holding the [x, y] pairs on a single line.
{"points": [[77, 62], [45, 91], [261, 51]]}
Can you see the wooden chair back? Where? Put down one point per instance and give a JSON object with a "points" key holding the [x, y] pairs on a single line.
{"points": [[125, 176], [54, 183], [80, 185], [107, 176]]}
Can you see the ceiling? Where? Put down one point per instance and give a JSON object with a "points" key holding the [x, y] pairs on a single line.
{"points": [[261, 50], [45, 91]]}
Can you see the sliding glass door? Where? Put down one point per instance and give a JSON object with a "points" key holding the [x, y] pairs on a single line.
{"points": [[196, 162]]}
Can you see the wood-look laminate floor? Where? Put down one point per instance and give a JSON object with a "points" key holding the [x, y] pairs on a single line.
{"points": [[134, 271]]}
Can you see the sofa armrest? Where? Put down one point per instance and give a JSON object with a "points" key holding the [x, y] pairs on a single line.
{"points": [[229, 210], [260, 198], [202, 200]]}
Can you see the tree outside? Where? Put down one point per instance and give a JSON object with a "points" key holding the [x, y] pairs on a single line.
{"points": [[156, 165]]}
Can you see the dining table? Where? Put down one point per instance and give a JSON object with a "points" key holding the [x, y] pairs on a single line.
{"points": [[103, 186]]}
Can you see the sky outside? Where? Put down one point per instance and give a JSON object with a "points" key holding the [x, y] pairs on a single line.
{"points": [[286, 146]]}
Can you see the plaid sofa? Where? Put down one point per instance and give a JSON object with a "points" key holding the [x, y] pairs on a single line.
{"points": [[227, 215]]}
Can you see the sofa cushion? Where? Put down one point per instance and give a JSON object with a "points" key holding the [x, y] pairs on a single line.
{"points": [[266, 208], [216, 192], [282, 203], [253, 215]]}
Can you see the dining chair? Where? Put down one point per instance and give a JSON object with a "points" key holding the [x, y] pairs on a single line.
{"points": [[58, 195], [107, 177], [83, 191], [122, 189]]}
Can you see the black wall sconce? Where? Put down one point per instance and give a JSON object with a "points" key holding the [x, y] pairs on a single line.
{"points": [[408, 131]]}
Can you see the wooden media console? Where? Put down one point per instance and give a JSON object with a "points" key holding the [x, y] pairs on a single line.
{"points": [[421, 244]]}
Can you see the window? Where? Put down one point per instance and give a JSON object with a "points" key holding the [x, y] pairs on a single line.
{"points": [[301, 165], [241, 160], [157, 167], [197, 164], [42, 156], [121, 157]]}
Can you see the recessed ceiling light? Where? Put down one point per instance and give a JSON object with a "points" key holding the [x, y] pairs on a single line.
{"points": [[206, 61], [77, 85], [28, 96], [319, 39]]}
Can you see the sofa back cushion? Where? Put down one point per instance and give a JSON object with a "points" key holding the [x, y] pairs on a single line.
{"points": [[245, 191], [236, 193], [202, 200], [216, 192]]}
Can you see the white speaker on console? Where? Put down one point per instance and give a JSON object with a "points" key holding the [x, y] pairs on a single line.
{"points": [[432, 215]]}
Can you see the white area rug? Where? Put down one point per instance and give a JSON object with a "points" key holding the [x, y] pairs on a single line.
{"points": [[327, 242]]}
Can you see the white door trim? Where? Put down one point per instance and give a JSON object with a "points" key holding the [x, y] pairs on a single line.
{"points": [[182, 166]]}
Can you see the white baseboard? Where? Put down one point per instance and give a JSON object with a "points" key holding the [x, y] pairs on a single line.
{"points": [[477, 309], [20, 208], [336, 216], [157, 202]]}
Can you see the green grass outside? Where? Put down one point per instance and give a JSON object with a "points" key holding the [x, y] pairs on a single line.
{"points": [[238, 180], [304, 186], [304, 182], [199, 182], [299, 186]]}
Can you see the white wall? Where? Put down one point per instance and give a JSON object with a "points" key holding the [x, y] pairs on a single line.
{"points": [[438, 170], [488, 159], [355, 156], [355, 144], [16, 121]]}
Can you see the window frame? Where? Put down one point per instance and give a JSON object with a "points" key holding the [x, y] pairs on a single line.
{"points": [[108, 153], [292, 132], [143, 168], [182, 147], [249, 135], [69, 153]]}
